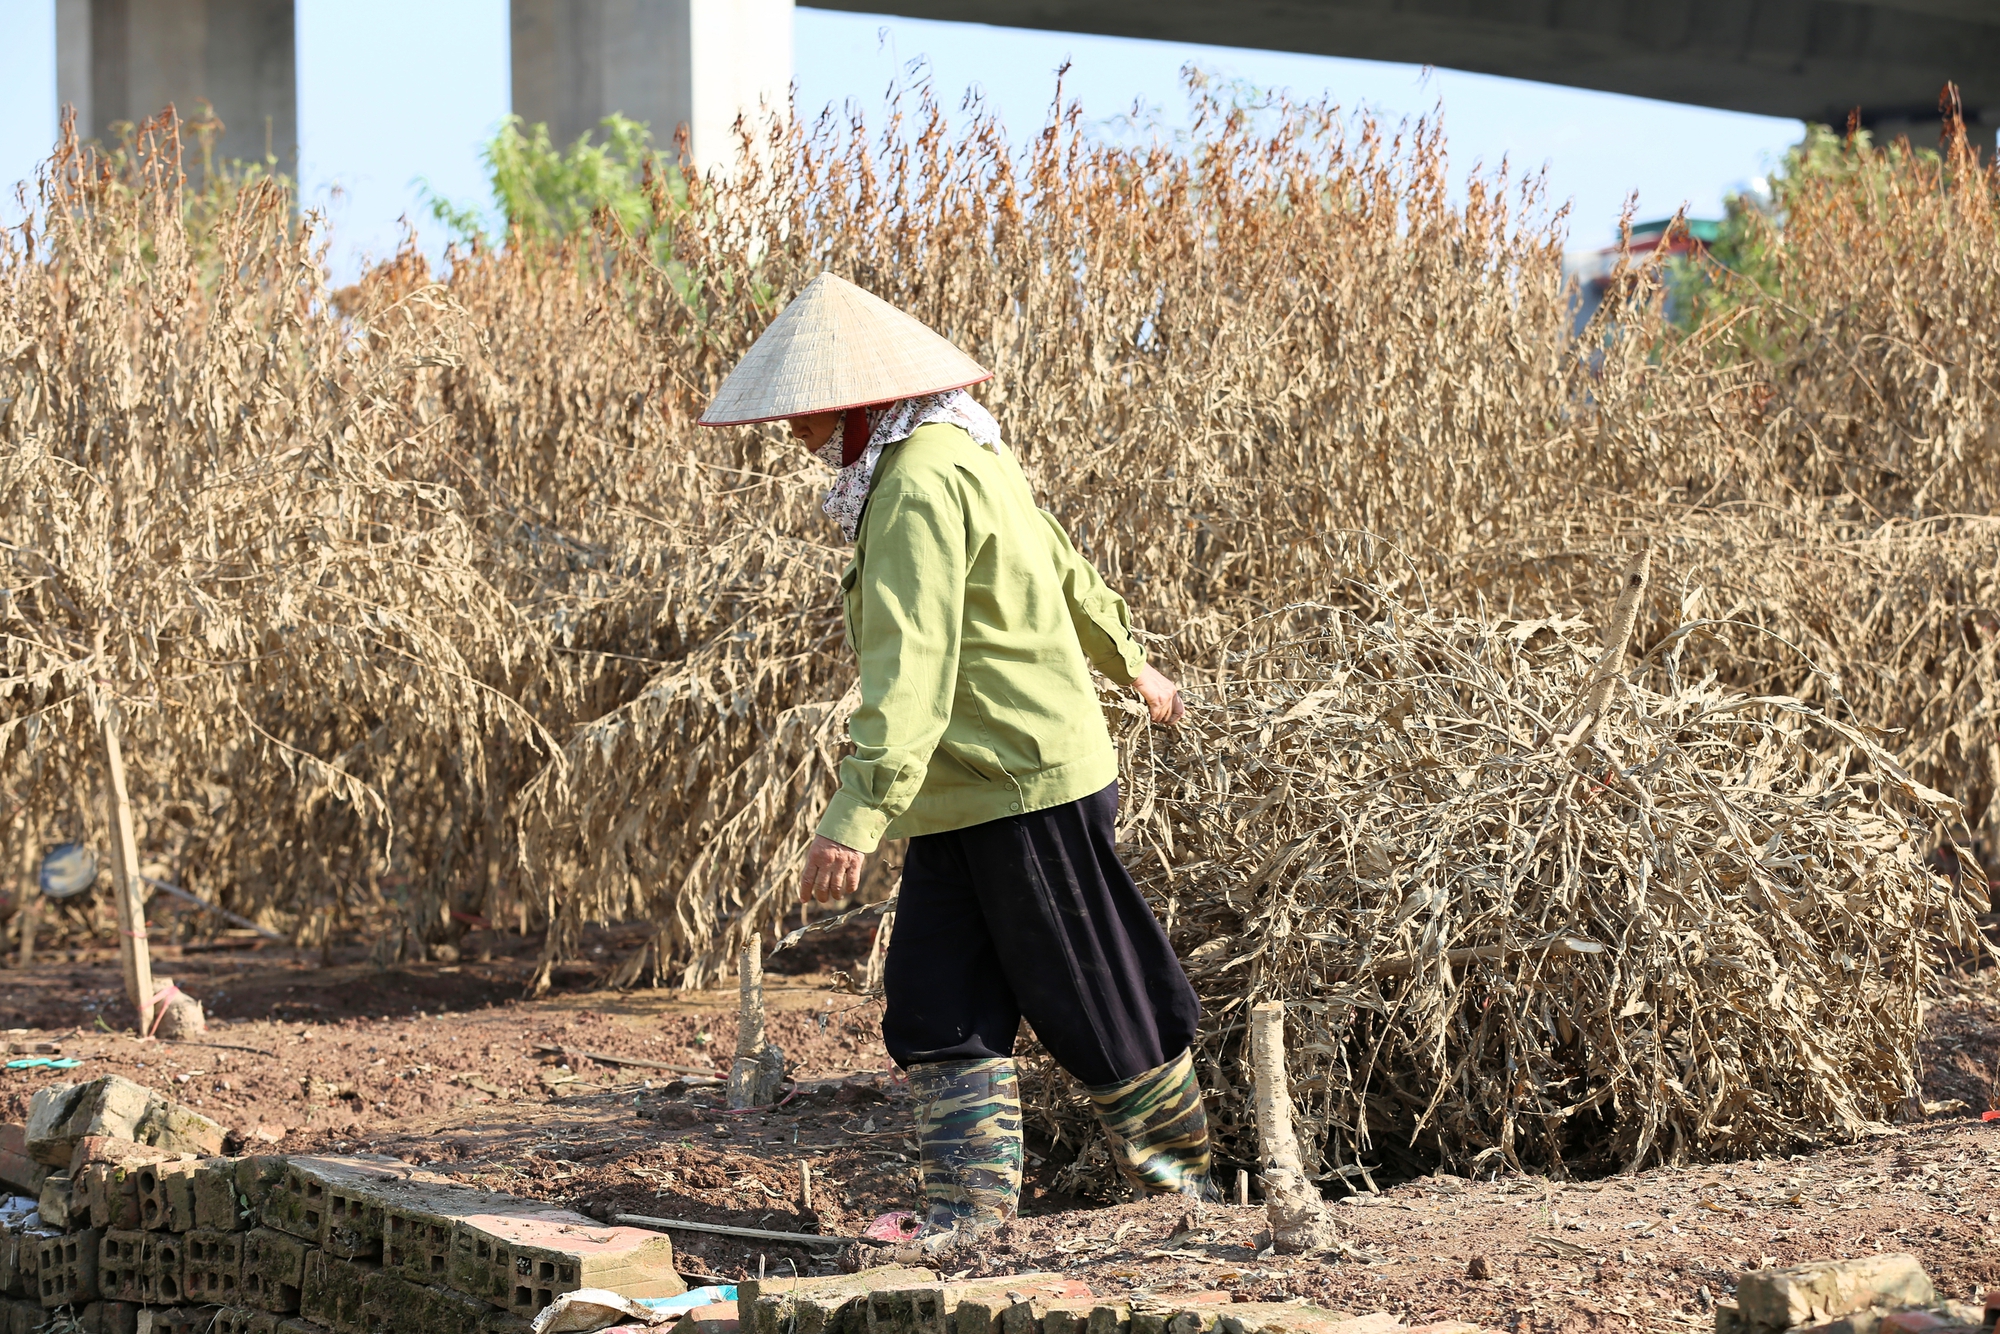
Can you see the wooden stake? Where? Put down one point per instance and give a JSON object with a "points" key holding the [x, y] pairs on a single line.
{"points": [[750, 999], [31, 897], [805, 1187], [1299, 1221], [1243, 1187], [759, 1067], [132, 948]]}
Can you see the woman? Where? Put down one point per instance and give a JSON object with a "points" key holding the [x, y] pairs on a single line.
{"points": [[979, 738]]}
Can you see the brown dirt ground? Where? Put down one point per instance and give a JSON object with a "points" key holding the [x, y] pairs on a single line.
{"points": [[437, 1064]]}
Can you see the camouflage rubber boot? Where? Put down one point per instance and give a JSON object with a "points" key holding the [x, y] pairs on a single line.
{"points": [[1157, 1130], [968, 1141]]}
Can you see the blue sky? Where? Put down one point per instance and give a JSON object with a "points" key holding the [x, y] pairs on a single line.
{"points": [[394, 94]]}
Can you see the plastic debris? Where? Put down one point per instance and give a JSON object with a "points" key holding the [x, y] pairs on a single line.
{"points": [[900, 1225], [590, 1309]]}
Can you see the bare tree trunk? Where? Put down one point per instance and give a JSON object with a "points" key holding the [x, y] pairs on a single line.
{"points": [[1299, 1218]]}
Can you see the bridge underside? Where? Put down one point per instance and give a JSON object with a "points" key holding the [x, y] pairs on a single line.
{"points": [[1806, 59]]}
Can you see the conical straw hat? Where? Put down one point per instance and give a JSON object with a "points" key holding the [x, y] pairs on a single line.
{"points": [[837, 346]]}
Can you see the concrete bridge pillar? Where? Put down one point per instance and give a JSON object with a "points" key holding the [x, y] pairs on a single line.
{"points": [[125, 60], [669, 63]]}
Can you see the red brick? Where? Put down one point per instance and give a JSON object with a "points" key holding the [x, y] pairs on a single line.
{"points": [[21, 1172], [715, 1318], [110, 1149], [1912, 1322]]}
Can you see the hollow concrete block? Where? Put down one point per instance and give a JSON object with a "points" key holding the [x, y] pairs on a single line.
{"points": [[66, 1268], [919, 1310], [120, 1253], [166, 1196], [334, 1293], [522, 1262], [274, 1270], [392, 1304], [1061, 1315], [833, 1305], [212, 1272], [480, 1264], [1109, 1318], [256, 1174], [311, 1191], [115, 1317], [175, 1319], [110, 1193], [977, 1307], [25, 1316], [243, 1320], [162, 1268], [417, 1222], [216, 1205]]}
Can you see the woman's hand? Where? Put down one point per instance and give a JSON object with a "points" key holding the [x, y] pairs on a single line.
{"points": [[1163, 697], [832, 872]]}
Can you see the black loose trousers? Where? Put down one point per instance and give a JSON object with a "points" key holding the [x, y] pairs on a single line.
{"points": [[1033, 916]]}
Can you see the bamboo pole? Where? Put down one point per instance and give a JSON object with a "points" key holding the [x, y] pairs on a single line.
{"points": [[132, 950]]}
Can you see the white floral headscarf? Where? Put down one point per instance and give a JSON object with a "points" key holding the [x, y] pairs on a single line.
{"points": [[848, 495]]}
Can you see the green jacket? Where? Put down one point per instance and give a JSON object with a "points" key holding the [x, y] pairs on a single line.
{"points": [[977, 624]]}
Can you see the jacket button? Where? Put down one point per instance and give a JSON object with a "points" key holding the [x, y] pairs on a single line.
{"points": [[1013, 805]]}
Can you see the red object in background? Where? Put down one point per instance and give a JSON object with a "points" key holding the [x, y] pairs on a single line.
{"points": [[1989, 1116]]}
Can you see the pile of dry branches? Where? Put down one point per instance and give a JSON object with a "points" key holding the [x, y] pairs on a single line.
{"points": [[1530, 907]]}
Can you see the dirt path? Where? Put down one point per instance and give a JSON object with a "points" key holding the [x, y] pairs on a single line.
{"points": [[439, 1064]]}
